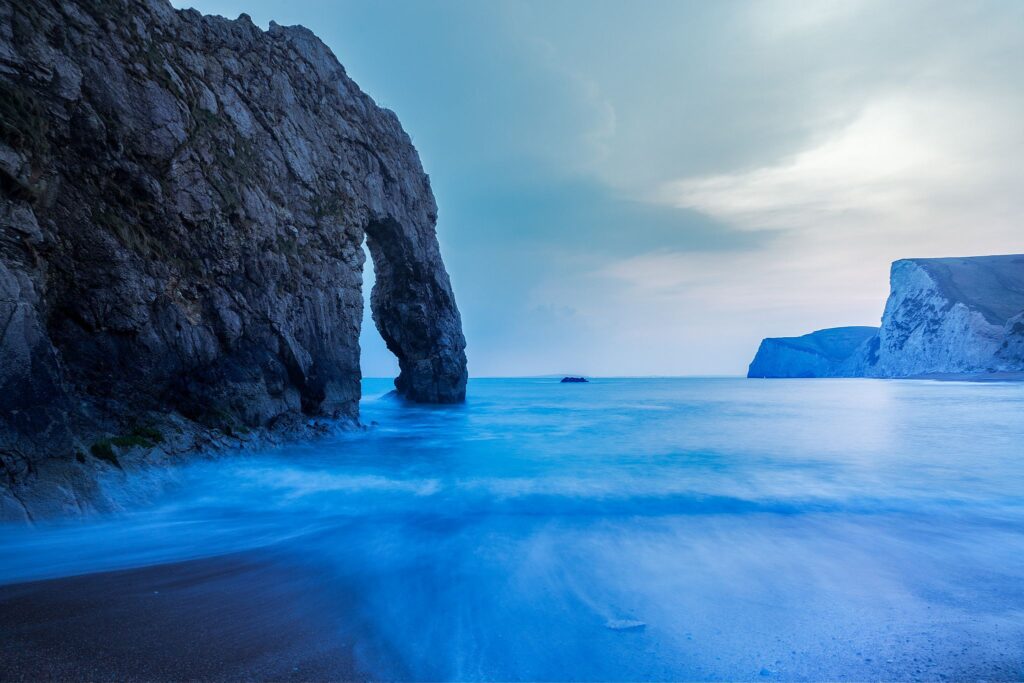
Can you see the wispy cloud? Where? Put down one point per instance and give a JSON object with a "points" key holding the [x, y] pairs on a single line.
{"points": [[910, 163], [685, 176]]}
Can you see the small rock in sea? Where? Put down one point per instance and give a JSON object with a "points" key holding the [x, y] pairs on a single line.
{"points": [[625, 625], [574, 380], [766, 672]]}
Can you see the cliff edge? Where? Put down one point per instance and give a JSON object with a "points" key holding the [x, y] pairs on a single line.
{"points": [[183, 204], [945, 317], [951, 316], [818, 354]]}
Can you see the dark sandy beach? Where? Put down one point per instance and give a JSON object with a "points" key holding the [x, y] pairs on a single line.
{"points": [[239, 617]]}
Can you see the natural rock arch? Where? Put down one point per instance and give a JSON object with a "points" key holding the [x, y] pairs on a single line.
{"points": [[183, 208], [414, 310]]}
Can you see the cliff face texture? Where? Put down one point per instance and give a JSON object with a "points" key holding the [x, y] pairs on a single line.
{"points": [[183, 204], [952, 316], [946, 317], [818, 354]]}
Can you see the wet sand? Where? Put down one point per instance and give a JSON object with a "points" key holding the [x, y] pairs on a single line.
{"points": [[240, 617]]}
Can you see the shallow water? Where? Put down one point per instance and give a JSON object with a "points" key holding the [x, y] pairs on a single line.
{"points": [[622, 529]]}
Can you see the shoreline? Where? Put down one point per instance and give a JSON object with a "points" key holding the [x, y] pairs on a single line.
{"points": [[817, 531], [67, 488], [973, 377], [233, 617], [970, 377]]}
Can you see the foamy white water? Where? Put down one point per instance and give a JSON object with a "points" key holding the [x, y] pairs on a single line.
{"points": [[627, 529]]}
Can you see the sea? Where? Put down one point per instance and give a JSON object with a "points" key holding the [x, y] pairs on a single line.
{"points": [[622, 529]]}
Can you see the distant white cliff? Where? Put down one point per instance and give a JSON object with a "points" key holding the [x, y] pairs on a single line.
{"points": [[947, 316], [818, 354]]}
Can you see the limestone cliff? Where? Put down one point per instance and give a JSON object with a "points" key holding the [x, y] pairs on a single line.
{"points": [[951, 316], [183, 204], [944, 317], [818, 354]]}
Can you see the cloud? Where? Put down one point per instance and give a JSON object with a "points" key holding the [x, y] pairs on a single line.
{"points": [[915, 174], [837, 138], [894, 169], [784, 20], [687, 177]]}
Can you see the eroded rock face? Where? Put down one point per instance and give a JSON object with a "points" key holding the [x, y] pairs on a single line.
{"points": [[951, 316], [184, 203], [943, 317], [818, 354]]}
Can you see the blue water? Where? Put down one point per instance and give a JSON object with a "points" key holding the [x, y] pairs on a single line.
{"points": [[626, 529]]}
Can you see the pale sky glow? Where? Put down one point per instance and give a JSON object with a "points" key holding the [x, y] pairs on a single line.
{"points": [[905, 160], [652, 188]]}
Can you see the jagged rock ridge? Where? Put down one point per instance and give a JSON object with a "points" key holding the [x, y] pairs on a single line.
{"points": [[943, 317], [184, 203]]}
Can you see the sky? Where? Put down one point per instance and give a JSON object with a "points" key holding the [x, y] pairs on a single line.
{"points": [[650, 188]]}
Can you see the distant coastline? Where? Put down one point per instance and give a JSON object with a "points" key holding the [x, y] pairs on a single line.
{"points": [[948, 319]]}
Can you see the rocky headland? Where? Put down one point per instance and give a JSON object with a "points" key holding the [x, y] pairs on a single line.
{"points": [[945, 318], [184, 201], [818, 354]]}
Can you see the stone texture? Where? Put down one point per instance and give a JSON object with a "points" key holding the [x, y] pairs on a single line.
{"points": [[944, 317], [818, 354], [184, 203], [950, 316]]}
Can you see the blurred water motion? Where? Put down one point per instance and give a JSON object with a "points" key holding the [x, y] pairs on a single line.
{"points": [[623, 529]]}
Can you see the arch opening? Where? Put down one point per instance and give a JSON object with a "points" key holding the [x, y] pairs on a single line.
{"points": [[413, 309], [376, 361]]}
